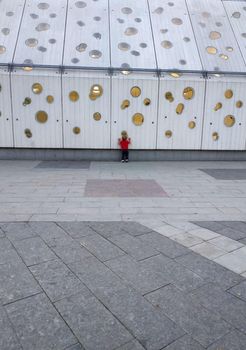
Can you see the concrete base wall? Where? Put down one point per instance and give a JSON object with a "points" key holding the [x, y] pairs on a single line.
{"points": [[114, 155]]}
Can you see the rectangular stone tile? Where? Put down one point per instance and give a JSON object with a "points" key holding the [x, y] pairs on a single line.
{"points": [[164, 245], [135, 228], [76, 229], [100, 247], [204, 326], [8, 339], [9, 256], [38, 325], [2, 234], [187, 239], [204, 234], [185, 343], [226, 244], [235, 261], [226, 174], [214, 226], [243, 241], [133, 246], [16, 282], [209, 270], [232, 341], [47, 230], [63, 164], [94, 326], [5, 244], [231, 309], [18, 231], [208, 250], [56, 279], [75, 347], [132, 345], [232, 233], [175, 273], [239, 290], [34, 251], [236, 225], [109, 228], [141, 277]]}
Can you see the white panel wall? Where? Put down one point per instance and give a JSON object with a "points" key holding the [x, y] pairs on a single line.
{"points": [[49, 134], [6, 126], [131, 35], [173, 35], [212, 30], [143, 136], [182, 136], [44, 24], [93, 133], [230, 138]]}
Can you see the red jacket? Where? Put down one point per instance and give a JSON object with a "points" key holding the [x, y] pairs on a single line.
{"points": [[124, 144]]}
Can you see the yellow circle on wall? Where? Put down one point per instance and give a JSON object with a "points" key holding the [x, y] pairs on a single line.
{"points": [[169, 96], [97, 116], [180, 108], [37, 88], [41, 117], [239, 104], [188, 93], [218, 106], [215, 136], [147, 101], [229, 121], [135, 91], [96, 91], [168, 134], [50, 99], [76, 130], [228, 94], [125, 104], [192, 125], [73, 96], [138, 119]]}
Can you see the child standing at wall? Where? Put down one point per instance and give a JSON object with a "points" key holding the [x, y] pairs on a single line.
{"points": [[124, 142]]}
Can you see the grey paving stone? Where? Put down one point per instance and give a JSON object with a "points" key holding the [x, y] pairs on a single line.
{"points": [[77, 229], [109, 228], [56, 279], [136, 229], [63, 164], [34, 251], [75, 347], [38, 325], [203, 325], [18, 231], [100, 247], [5, 244], [243, 241], [236, 225], [47, 230], [8, 339], [239, 290], [9, 256], [185, 343], [133, 246], [2, 234], [164, 245], [173, 272], [231, 309], [132, 345], [231, 341], [94, 326], [232, 233], [226, 174], [141, 277], [16, 282], [214, 226], [209, 270]]}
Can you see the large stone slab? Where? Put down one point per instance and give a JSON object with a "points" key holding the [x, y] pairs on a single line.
{"points": [[132, 345], [185, 343], [232, 341], [226, 174], [8, 339], [63, 164], [76, 229], [112, 228], [239, 290], [18, 231]]}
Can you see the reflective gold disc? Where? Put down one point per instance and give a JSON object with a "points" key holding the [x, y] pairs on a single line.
{"points": [[41, 117], [76, 130], [239, 104], [125, 104], [218, 106], [95, 92], [175, 75], [188, 93], [180, 108], [138, 119], [97, 116], [147, 101], [37, 88], [169, 96], [211, 50], [28, 133], [168, 134], [135, 91], [27, 101], [192, 125], [50, 99], [215, 136], [228, 94], [73, 96], [229, 121]]}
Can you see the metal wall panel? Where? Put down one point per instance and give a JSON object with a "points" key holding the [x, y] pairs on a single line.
{"points": [[6, 125], [218, 48], [80, 113], [143, 136], [41, 34], [229, 138], [236, 11], [131, 35], [87, 34], [28, 131], [173, 35], [180, 121]]}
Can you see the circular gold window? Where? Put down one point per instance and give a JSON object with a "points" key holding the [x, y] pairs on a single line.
{"points": [[229, 121], [27, 101], [37, 88], [211, 50], [97, 116], [50, 99], [192, 125], [41, 117], [175, 75], [228, 94], [125, 104], [73, 96], [239, 104], [169, 96], [214, 35], [180, 108], [95, 92], [138, 119], [168, 134], [28, 133], [147, 101], [218, 106], [188, 93], [76, 130], [215, 136], [135, 91]]}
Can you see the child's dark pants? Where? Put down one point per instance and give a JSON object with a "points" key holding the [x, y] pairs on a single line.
{"points": [[125, 154]]}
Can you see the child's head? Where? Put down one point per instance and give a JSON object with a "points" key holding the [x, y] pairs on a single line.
{"points": [[124, 135]]}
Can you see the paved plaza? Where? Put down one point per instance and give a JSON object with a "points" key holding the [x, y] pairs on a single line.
{"points": [[111, 256]]}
